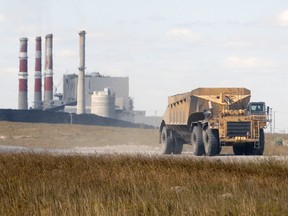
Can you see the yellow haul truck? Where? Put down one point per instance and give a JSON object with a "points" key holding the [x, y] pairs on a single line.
{"points": [[209, 118]]}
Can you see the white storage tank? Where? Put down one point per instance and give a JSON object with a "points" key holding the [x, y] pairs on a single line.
{"points": [[103, 103]]}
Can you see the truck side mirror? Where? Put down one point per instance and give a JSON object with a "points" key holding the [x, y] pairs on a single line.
{"points": [[268, 110]]}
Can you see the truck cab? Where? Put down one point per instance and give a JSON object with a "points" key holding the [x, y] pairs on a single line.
{"points": [[257, 108]]}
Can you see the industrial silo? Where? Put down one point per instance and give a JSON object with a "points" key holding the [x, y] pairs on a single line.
{"points": [[103, 103]]}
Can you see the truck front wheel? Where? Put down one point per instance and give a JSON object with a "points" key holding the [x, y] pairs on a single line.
{"points": [[211, 142], [238, 150], [167, 141], [197, 141], [260, 149]]}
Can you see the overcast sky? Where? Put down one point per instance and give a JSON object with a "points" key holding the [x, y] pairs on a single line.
{"points": [[165, 47]]}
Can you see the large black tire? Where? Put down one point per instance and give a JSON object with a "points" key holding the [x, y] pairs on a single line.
{"points": [[244, 149], [260, 150], [239, 150], [167, 141], [178, 147], [249, 149], [211, 142], [219, 149], [197, 141]]}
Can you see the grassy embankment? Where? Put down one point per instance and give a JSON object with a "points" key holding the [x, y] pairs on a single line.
{"points": [[136, 185]]}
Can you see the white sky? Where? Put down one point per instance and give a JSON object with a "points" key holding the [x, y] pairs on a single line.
{"points": [[164, 46]]}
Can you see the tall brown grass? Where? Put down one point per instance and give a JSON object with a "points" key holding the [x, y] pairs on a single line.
{"points": [[42, 184]]}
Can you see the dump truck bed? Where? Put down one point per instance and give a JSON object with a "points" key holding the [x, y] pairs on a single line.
{"points": [[186, 107]]}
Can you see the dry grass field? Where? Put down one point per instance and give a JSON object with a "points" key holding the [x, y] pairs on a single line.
{"points": [[33, 184], [69, 136], [47, 184]]}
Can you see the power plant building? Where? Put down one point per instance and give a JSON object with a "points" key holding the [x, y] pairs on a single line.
{"points": [[95, 82], [105, 96]]}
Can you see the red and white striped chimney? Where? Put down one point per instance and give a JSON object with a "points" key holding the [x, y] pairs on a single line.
{"points": [[48, 75], [23, 75], [38, 75]]}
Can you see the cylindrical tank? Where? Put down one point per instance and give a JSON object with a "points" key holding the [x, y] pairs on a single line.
{"points": [[103, 103]]}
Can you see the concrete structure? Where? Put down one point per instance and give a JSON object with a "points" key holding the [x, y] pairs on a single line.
{"points": [[23, 75], [141, 118], [103, 103], [97, 82], [38, 75], [48, 75], [81, 75]]}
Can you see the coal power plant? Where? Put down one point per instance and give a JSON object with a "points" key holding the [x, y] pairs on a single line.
{"points": [[84, 94]]}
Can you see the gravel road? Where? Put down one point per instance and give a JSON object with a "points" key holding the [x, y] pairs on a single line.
{"points": [[89, 140], [136, 150]]}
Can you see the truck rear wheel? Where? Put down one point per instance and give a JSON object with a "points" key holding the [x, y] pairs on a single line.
{"points": [[167, 141], [178, 147], [211, 142], [197, 141]]}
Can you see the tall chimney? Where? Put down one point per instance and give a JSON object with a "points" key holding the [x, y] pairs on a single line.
{"points": [[81, 75], [38, 75], [48, 75], [23, 75]]}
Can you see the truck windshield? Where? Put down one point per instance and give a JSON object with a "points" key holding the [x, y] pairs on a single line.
{"points": [[257, 108]]}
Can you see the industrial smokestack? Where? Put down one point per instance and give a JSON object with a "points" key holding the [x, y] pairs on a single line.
{"points": [[23, 75], [48, 75], [38, 74], [81, 75]]}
